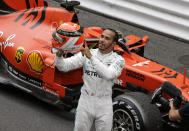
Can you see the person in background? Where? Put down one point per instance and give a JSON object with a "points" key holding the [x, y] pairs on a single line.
{"points": [[178, 114]]}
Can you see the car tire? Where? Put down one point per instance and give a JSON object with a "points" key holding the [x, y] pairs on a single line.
{"points": [[134, 112]]}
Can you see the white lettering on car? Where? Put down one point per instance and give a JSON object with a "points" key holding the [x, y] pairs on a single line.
{"points": [[142, 63], [6, 43]]}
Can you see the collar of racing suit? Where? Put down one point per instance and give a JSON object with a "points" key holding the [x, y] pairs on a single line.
{"points": [[104, 55]]}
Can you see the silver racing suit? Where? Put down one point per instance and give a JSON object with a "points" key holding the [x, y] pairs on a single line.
{"points": [[95, 103]]}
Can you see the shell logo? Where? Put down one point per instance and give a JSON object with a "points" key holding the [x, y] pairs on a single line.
{"points": [[35, 62]]}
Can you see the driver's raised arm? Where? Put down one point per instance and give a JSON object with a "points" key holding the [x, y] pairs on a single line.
{"points": [[68, 64]]}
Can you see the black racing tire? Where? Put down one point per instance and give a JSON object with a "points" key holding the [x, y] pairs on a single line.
{"points": [[133, 112]]}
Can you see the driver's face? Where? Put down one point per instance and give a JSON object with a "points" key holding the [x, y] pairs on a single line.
{"points": [[106, 41]]}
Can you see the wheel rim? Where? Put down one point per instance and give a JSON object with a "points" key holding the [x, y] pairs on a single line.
{"points": [[122, 121]]}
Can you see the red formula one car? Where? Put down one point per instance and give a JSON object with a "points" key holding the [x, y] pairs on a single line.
{"points": [[140, 94]]}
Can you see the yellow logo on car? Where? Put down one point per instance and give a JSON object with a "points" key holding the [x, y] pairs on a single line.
{"points": [[61, 22], [35, 61], [18, 54]]}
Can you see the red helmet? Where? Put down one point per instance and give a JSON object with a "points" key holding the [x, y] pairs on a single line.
{"points": [[68, 36]]}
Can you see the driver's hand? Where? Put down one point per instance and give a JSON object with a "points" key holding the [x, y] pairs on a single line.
{"points": [[59, 53], [86, 51]]}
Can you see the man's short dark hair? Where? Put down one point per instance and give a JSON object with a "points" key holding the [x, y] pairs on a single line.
{"points": [[116, 34]]}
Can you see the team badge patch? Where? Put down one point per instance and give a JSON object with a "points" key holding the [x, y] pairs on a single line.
{"points": [[18, 54]]}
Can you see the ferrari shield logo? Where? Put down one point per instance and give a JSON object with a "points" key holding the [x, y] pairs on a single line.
{"points": [[18, 54]]}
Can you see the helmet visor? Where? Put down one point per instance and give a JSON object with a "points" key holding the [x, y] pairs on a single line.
{"points": [[57, 38], [75, 33]]}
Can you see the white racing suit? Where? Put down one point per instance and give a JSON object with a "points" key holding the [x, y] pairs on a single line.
{"points": [[95, 103]]}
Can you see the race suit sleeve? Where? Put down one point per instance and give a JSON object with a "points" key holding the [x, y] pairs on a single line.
{"points": [[67, 64], [184, 112], [108, 72]]}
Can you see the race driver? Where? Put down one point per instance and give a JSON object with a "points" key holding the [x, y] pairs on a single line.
{"points": [[100, 67]]}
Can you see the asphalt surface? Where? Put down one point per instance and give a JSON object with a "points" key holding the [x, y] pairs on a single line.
{"points": [[22, 112]]}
